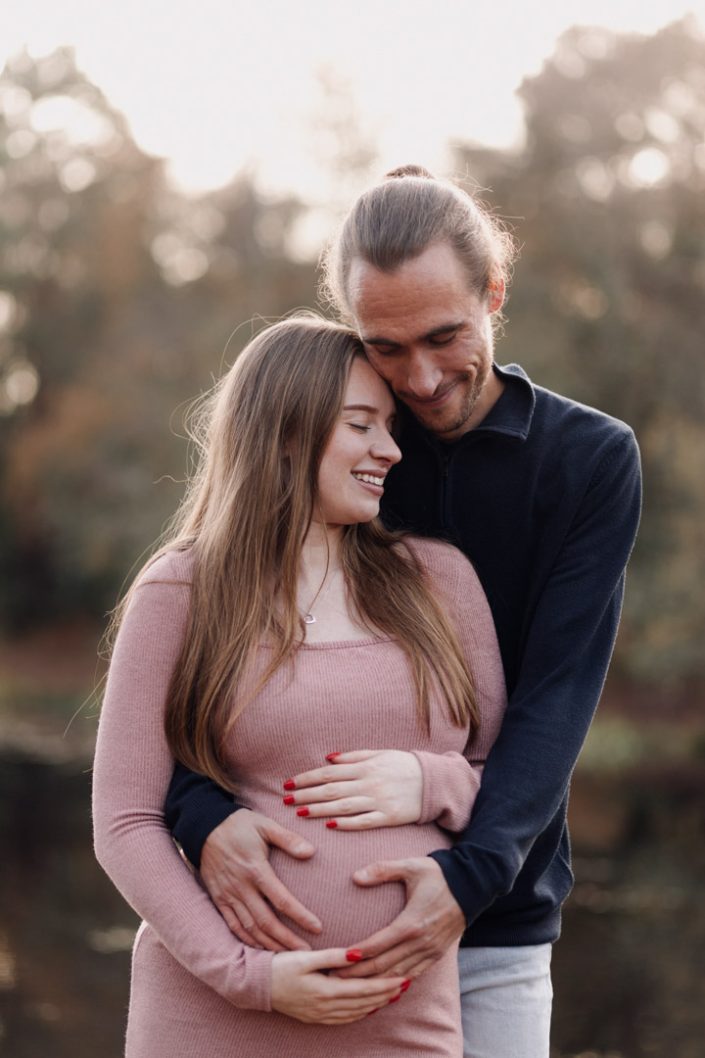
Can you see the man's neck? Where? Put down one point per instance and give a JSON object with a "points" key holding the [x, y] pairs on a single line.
{"points": [[491, 392]]}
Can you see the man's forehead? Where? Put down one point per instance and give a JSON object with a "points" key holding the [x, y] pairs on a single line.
{"points": [[405, 312], [436, 275]]}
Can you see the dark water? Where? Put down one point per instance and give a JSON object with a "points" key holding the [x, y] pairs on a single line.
{"points": [[628, 971]]}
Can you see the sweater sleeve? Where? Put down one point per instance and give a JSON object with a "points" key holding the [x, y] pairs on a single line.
{"points": [[195, 805], [564, 664], [132, 770], [451, 780]]}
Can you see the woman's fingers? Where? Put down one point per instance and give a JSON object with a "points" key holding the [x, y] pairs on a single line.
{"points": [[330, 773], [351, 987], [364, 821], [334, 791], [352, 756], [386, 781], [346, 806], [305, 986]]}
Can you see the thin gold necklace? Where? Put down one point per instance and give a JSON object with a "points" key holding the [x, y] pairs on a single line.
{"points": [[308, 616]]}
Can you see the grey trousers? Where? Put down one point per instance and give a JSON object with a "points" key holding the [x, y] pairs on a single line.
{"points": [[506, 996]]}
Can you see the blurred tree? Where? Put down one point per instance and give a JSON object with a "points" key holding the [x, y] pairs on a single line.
{"points": [[75, 195], [116, 299], [344, 150], [607, 300]]}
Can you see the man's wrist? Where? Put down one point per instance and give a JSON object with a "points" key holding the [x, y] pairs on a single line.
{"points": [[440, 859]]}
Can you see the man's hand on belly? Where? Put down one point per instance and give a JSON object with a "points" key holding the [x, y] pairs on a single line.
{"points": [[429, 925], [236, 872]]}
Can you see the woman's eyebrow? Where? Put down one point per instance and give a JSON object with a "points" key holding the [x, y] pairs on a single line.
{"points": [[361, 407]]}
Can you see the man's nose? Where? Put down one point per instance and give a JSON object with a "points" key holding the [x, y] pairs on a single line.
{"points": [[423, 376]]}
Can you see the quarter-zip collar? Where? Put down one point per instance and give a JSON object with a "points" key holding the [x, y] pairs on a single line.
{"points": [[510, 416]]}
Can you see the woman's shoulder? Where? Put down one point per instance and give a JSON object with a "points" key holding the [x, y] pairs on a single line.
{"points": [[450, 571], [439, 557], [169, 567]]}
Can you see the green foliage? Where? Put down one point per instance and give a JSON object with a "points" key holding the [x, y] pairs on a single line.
{"points": [[607, 300]]}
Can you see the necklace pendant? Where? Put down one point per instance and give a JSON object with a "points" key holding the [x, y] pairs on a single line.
{"points": [[309, 619]]}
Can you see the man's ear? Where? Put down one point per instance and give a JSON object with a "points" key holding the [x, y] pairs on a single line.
{"points": [[496, 289]]}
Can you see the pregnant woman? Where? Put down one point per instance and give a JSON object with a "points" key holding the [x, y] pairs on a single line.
{"points": [[278, 623]]}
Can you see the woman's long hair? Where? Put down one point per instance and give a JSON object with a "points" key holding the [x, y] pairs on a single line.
{"points": [[245, 517]]}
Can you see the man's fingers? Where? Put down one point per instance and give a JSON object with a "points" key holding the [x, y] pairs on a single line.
{"points": [[411, 969], [280, 898], [258, 930], [259, 919], [235, 926], [286, 840], [383, 871]]}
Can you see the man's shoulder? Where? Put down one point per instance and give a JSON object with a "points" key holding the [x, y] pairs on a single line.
{"points": [[566, 411], [557, 418], [568, 438]]}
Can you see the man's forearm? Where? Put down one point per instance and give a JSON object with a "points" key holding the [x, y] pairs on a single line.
{"points": [[565, 659], [194, 807]]}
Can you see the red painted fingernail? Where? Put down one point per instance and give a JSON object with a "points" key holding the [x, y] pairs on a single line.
{"points": [[302, 811], [289, 799], [395, 999], [353, 955], [289, 784], [331, 824], [405, 985], [331, 756]]}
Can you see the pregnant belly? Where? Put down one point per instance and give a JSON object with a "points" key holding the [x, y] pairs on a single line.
{"points": [[348, 912]]}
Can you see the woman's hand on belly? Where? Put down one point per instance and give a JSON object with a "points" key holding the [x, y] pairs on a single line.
{"points": [[302, 989], [360, 790]]}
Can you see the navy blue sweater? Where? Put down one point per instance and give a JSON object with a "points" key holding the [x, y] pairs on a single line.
{"points": [[544, 497]]}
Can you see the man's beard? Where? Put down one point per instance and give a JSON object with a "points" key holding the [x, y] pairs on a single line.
{"points": [[471, 396]]}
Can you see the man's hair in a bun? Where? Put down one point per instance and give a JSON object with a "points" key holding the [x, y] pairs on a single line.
{"points": [[400, 217], [409, 170]]}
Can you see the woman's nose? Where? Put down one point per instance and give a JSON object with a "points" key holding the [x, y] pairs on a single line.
{"points": [[387, 449]]}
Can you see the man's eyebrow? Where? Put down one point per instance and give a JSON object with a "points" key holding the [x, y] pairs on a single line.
{"points": [[375, 340], [444, 328]]}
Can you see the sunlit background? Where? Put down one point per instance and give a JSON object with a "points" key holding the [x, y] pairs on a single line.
{"points": [[168, 174]]}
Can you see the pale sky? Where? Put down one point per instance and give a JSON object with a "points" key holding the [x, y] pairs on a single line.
{"points": [[219, 84]]}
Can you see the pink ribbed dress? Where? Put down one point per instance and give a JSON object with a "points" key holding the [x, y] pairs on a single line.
{"points": [[196, 991]]}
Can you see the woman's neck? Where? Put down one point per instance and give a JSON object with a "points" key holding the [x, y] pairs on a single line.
{"points": [[323, 597], [320, 555]]}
